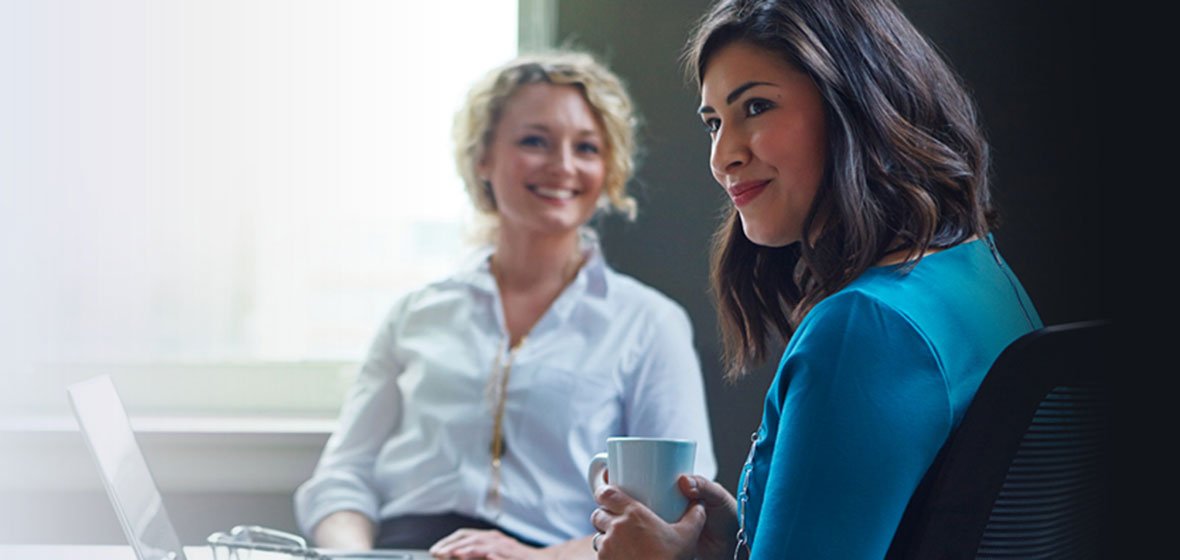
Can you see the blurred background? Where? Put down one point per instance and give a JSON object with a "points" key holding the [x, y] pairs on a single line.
{"points": [[216, 202]]}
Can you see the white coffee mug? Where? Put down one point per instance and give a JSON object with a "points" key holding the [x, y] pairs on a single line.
{"points": [[647, 470]]}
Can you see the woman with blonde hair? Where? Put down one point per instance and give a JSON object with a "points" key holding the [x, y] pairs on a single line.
{"points": [[487, 393]]}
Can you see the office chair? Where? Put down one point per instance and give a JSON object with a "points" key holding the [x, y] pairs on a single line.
{"points": [[1025, 475]]}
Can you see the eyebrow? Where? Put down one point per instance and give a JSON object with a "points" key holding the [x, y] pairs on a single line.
{"points": [[542, 128], [734, 95]]}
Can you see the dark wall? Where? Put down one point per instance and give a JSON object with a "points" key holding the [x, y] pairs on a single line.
{"points": [[1034, 70], [1030, 67]]}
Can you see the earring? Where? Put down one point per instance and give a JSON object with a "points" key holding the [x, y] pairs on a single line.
{"points": [[487, 189]]}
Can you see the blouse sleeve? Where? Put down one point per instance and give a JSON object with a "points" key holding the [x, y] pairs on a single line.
{"points": [[864, 410], [665, 394], [344, 477]]}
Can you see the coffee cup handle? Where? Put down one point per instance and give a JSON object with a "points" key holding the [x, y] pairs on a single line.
{"points": [[594, 473]]}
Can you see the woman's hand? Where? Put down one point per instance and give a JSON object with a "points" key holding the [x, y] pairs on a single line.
{"points": [[719, 535], [631, 530], [477, 543]]}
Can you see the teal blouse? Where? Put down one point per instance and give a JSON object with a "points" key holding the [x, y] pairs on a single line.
{"points": [[868, 389]]}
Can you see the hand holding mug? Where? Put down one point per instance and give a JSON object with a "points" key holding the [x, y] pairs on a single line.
{"points": [[630, 530], [706, 531]]}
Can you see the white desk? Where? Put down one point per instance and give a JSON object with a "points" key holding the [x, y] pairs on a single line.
{"points": [[112, 552]]}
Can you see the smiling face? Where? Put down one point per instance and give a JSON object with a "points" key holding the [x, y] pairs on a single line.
{"points": [[766, 120], [546, 161]]}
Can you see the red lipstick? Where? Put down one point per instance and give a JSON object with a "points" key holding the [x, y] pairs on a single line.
{"points": [[746, 191]]}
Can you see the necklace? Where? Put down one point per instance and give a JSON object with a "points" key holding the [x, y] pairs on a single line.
{"points": [[498, 390], [501, 393], [743, 498]]}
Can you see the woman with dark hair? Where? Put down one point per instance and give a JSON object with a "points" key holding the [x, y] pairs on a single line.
{"points": [[859, 235]]}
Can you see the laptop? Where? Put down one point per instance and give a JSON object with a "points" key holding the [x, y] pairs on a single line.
{"points": [[129, 483]]}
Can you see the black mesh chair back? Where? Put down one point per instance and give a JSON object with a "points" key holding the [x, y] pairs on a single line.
{"points": [[1026, 473]]}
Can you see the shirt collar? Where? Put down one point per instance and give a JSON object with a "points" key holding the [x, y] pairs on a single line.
{"points": [[475, 271]]}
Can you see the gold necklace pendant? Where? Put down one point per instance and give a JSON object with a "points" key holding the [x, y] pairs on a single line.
{"points": [[500, 389], [497, 389]]}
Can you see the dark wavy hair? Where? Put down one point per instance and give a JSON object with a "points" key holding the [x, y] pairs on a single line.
{"points": [[907, 167]]}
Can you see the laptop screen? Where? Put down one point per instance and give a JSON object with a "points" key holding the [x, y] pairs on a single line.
{"points": [[124, 471]]}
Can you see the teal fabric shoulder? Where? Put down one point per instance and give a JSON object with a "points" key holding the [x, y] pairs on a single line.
{"points": [[871, 384]]}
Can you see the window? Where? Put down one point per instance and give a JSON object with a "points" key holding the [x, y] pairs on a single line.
{"points": [[229, 181]]}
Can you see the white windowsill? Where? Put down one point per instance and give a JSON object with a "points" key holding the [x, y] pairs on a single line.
{"points": [[245, 455], [229, 426], [203, 427]]}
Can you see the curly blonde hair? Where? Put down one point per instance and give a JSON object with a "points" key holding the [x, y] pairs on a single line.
{"points": [[476, 121]]}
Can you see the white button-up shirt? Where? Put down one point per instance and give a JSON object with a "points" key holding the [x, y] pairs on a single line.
{"points": [[610, 357]]}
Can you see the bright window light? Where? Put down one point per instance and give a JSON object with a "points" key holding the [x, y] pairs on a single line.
{"points": [[228, 180]]}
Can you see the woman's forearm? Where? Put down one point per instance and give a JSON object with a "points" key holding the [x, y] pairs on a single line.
{"points": [[349, 530]]}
